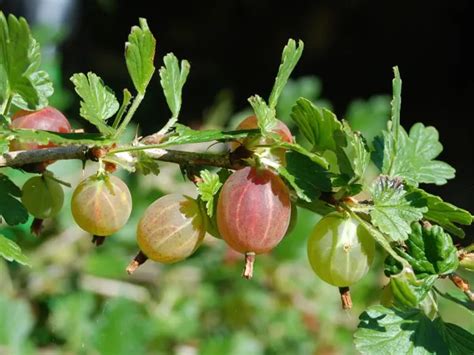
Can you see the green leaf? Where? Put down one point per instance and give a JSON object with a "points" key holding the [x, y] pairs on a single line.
{"points": [[98, 100], [380, 238], [45, 137], [4, 143], [413, 160], [353, 157], [186, 135], [459, 340], [208, 188], [42, 88], [10, 251], [408, 291], [127, 97], [16, 324], [317, 124], [389, 331], [289, 58], [315, 157], [307, 178], [139, 55], [411, 157], [394, 209], [266, 116], [459, 298], [146, 164], [429, 250], [10, 208], [444, 213], [20, 59], [396, 102], [172, 80]]}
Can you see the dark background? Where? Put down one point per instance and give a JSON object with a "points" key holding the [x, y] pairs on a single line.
{"points": [[351, 45]]}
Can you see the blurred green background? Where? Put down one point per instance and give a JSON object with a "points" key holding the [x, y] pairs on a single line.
{"points": [[77, 299]]}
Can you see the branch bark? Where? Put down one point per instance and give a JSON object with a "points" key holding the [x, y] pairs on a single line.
{"points": [[82, 152]]}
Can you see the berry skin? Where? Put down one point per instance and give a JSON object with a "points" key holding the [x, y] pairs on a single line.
{"points": [[101, 205], [46, 119], [171, 229], [340, 250], [251, 122], [42, 196], [253, 211]]}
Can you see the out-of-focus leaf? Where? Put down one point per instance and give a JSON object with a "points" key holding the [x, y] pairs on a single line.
{"points": [[10, 251], [106, 263], [11, 208], [71, 319], [122, 328], [389, 331], [308, 87], [369, 116], [16, 323]]}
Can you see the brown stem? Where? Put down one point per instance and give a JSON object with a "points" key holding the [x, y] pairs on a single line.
{"points": [[249, 261], [25, 157], [346, 299], [36, 226], [98, 240], [136, 262], [462, 284], [83, 152]]}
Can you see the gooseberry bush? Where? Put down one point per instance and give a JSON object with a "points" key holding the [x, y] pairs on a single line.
{"points": [[247, 194]]}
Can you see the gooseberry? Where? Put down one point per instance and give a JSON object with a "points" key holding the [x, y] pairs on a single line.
{"points": [[101, 205], [46, 119], [253, 212], [340, 250], [258, 145], [42, 196], [251, 122], [170, 230]]}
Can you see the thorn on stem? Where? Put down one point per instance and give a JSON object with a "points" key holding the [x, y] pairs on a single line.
{"points": [[249, 261], [136, 262], [346, 299], [98, 240]]}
